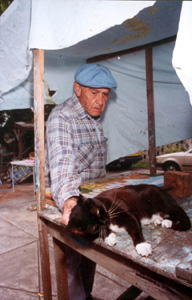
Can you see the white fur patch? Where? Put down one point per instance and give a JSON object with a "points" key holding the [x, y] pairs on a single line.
{"points": [[144, 249], [117, 229], [111, 239], [156, 219], [167, 223]]}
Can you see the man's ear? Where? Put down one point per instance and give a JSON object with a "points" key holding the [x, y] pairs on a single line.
{"points": [[77, 89]]}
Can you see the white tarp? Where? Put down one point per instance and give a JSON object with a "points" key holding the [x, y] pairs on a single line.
{"points": [[15, 58], [182, 55], [125, 120], [59, 24], [53, 24]]}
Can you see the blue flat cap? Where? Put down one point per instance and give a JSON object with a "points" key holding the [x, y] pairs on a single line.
{"points": [[96, 76]]}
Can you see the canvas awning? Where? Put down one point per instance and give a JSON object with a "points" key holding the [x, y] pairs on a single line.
{"points": [[94, 31]]}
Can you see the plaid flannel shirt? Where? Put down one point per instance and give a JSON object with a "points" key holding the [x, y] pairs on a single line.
{"points": [[75, 149]]}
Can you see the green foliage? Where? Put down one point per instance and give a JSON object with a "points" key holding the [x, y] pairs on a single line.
{"points": [[141, 165], [176, 148], [3, 5]]}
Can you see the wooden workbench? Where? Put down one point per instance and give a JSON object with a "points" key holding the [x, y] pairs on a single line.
{"points": [[166, 274]]}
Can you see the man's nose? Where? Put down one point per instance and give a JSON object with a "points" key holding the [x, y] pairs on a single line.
{"points": [[100, 99]]}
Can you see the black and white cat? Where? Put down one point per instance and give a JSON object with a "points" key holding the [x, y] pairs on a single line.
{"points": [[127, 208]]}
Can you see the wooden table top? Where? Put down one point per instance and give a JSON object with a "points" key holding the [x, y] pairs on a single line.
{"points": [[172, 250]]}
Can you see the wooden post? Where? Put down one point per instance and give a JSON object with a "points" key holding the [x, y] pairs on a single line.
{"points": [[39, 126], [40, 167], [61, 272], [150, 109]]}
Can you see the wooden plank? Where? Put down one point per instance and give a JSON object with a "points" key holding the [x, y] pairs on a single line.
{"points": [[184, 270], [128, 51], [156, 285], [169, 247], [150, 109], [181, 181], [40, 166], [45, 261], [39, 126], [130, 294], [61, 273], [172, 249]]}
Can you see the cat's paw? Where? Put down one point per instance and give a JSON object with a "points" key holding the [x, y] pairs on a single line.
{"points": [[111, 239], [158, 221], [166, 223], [144, 249]]}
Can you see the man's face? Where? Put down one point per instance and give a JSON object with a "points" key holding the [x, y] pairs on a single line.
{"points": [[92, 99]]}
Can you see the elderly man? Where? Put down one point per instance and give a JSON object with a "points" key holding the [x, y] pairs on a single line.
{"points": [[76, 151]]}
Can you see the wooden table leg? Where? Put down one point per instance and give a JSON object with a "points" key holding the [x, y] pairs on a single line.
{"points": [[61, 272], [45, 262], [131, 293]]}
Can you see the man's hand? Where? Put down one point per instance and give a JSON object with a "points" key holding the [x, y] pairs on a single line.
{"points": [[67, 207]]}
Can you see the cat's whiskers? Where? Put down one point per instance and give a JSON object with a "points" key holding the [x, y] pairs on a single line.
{"points": [[116, 213], [104, 207], [113, 201], [114, 206], [112, 212], [102, 233]]}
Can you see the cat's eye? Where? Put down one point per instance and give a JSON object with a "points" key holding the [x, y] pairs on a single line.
{"points": [[98, 212]]}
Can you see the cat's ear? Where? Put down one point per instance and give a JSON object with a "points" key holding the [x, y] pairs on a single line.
{"points": [[81, 199]]}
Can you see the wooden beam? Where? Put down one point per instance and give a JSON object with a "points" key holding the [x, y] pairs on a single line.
{"points": [[39, 126], [45, 260], [128, 51], [149, 281], [40, 168], [131, 293], [150, 109], [61, 271]]}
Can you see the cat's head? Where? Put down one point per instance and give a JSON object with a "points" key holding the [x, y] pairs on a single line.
{"points": [[89, 218]]}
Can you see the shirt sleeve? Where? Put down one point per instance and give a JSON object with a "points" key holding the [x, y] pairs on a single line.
{"points": [[63, 164]]}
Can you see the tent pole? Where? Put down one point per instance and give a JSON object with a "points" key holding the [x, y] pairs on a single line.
{"points": [[40, 167], [150, 109]]}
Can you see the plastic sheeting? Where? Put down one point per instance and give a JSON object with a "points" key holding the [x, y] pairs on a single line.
{"points": [[82, 28], [59, 24], [125, 120], [182, 60], [15, 57], [52, 25]]}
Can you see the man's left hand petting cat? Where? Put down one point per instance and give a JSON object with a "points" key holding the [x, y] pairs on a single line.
{"points": [[67, 207]]}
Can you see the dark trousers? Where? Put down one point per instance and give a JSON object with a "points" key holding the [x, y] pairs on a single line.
{"points": [[80, 271]]}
